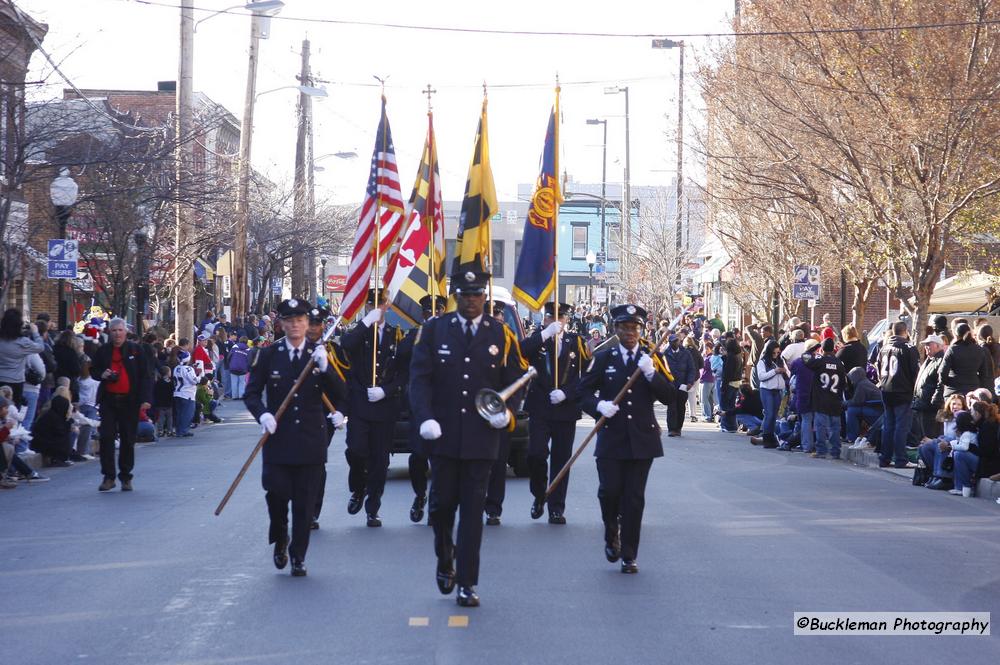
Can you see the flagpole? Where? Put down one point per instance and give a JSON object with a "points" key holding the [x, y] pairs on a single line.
{"points": [[378, 239], [555, 229], [430, 195], [482, 226]]}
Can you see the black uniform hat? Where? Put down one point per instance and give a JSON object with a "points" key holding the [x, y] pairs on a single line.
{"points": [[564, 309], [371, 296], [498, 307], [293, 307], [318, 314], [441, 302], [629, 314], [470, 282]]}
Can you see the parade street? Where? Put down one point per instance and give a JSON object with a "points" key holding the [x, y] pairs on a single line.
{"points": [[735, 540]]}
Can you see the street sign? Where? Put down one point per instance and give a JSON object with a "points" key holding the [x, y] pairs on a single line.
{"points": [[599, 268], [601, 258], [336, 283], [276, 283], [63, 257], [806, 284], [600, 294], [83, 281], [226, 287]]}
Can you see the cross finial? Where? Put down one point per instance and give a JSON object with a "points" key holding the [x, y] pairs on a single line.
{"points": [[429, 91], [484, 89]]}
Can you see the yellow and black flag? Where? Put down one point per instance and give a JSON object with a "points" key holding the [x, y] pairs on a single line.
{"points": [[472, 246], [414, 273]]}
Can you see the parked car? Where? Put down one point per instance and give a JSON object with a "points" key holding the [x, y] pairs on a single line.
{"points": [[518, 458]]}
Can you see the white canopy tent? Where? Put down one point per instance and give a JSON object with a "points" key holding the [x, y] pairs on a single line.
{"points": [[967, 291]]}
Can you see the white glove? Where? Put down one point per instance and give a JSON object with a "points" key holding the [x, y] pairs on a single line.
{"points": [[607, 409], [557, 396], [337, 418], [372, 317], [645, 363], [430, 429], [551, 330], [320, 358], [267, 423], [500, 420], [683, 387], [375, 394]]}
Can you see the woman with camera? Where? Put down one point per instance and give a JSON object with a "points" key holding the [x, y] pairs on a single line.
{"points": [[17, 341]]}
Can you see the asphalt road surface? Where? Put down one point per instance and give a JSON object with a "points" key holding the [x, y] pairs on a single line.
{"points": [[735, 540]]}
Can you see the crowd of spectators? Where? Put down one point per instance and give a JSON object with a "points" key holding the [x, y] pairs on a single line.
{"points": [[50, 390]]}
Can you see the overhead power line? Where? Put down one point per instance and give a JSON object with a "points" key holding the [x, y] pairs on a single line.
{"points": [[612, 35]]}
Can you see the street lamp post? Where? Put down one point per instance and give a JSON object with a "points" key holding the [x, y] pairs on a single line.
{"points": [[679, 45], [63, 192], [141, 237], [626, 230], [322, 263], [591, 260], [604, 184]]}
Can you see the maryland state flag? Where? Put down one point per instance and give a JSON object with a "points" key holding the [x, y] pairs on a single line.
{"points": [[480, 203], [412, 273], [535, 276]]}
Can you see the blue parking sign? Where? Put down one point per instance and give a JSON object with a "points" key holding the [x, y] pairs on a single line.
{"points": [[63, 256]]}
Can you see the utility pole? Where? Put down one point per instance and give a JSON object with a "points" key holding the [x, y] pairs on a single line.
{"points": [[240, 288], [183, 261], [300, 286], [627, 229], [680, 149]]}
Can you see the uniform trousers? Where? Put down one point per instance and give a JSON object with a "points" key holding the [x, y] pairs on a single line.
{"points": [[119, 418], [297, 483], [622, 493], [540, 432], [497, 488], [321, 492], [459, 485], [368, 446], [418, 466]]}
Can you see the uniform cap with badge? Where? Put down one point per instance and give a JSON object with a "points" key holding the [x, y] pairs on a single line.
{"points": [[371, 296], [293, 307], [565, 309], [440, 305], [318, 314], [470, 282], [628, 314]]}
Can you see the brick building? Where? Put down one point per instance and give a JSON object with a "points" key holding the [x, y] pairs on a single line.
{"points": [[19, 37]]}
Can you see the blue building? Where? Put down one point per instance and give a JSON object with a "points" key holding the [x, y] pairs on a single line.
{"points": [[581, 232]]}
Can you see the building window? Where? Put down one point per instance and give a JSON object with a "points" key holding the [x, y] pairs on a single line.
{"points": [[580, 240], [498, 259], [449, 253], [517, 251]]}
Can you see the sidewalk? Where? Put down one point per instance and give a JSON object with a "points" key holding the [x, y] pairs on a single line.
{"points": [[865, 458]]}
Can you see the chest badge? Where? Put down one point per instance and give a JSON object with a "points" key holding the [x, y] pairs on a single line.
{"points": [[572, 355], [493, 350]]}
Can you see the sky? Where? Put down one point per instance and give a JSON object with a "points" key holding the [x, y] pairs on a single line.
{"points": [[128, 45]]}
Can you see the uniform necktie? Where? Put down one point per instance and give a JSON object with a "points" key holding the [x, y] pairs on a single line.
{"points": [[295, 356], [631, 357], [468, 331]]}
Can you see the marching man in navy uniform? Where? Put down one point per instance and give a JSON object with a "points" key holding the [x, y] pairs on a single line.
{"points": [[552, 408], [419, 466], [630, 438], [373, 410], [295, 452], [334, 421], [456, 355]]}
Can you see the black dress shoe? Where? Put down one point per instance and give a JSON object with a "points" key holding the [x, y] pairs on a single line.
{"points": [[555, 517], [492, 519], [298, 568], [629, 567], [612, 551], [467, 596], [374, 521], [537, 508], [417, 509], [354, 503], [126, 485], [281, 554], [445, 576], [314, 525]]}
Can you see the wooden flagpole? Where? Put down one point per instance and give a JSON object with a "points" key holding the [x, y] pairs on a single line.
{"points": [[482, 225]]}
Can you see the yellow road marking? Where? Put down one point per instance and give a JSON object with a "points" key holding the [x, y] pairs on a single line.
{"points": [[458, 621], [419, 621]]}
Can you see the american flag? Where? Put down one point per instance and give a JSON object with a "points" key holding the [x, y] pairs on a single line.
{"points": [[383, 206]]}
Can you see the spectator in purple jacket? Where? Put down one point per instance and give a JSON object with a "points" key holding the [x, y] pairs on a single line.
{"points": [[707, 378], [802, 376]]}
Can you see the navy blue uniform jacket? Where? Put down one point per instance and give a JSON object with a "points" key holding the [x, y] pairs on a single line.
{"points": [[633, 432], [446, 374], [573, 356], [301, 437], [391, 374]]}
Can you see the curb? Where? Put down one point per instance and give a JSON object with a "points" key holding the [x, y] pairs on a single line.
{"points": [[985, 489]]}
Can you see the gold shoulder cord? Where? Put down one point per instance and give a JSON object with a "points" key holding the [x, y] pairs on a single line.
{"points": [[339, 366], [658, 363], [510, 339]]}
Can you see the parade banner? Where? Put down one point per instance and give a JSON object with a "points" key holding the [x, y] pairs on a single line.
{"points": [[472, 247]]}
